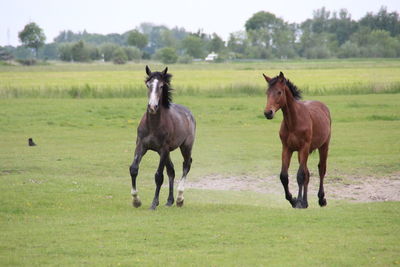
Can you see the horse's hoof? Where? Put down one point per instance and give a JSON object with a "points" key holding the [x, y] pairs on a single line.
{"points": [[293, 202], [136, 203], [322, 202], [152, 207], [179, 202], [301, 204], [169, 203]]}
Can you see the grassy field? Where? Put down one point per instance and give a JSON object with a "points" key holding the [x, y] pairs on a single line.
{"points": [[67, 201], [106, 80]]}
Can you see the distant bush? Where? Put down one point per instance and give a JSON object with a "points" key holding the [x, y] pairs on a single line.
{"points": [[318, 52], [185, 59], [119, 56], [27, 62], [133, 53], [349, 49], [167, 55]]}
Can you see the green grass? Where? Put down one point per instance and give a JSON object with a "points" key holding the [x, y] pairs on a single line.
{"points": [[233, 79], [67, 201]]}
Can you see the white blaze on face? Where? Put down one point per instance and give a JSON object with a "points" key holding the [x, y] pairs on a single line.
{"points": [[153, 99]]}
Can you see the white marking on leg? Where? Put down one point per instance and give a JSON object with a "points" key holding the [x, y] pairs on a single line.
{"points": [[134, 192], [181, 187], [135, 195]]}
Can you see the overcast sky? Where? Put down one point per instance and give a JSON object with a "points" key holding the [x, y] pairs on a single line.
{"points": [[118, 16]]}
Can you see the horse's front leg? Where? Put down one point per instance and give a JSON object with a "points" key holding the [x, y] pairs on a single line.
{"points": [[134, 170], [284, 176], [159, 177], [303, 177]]}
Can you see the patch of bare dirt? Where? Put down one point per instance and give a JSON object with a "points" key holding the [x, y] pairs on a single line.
{"points": [[365, 189]]}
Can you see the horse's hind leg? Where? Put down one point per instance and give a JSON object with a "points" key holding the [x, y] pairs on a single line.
{"points": [[303, 177], [323, 155], [171, 176], [134, 170], [186, 151]]}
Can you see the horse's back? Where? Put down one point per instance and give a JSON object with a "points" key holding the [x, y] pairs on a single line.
{"points": [[184, 112], [318, 110]]}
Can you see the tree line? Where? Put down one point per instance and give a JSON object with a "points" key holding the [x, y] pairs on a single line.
{"points": [[266, 36]]}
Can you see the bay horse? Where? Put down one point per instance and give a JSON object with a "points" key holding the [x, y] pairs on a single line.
{"points": [[164, 127], [306, 126]]}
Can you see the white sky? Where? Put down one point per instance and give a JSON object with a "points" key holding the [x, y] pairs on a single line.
{"points": [[119, 16]]}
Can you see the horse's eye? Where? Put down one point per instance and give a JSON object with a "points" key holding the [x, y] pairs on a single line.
{"points": [[279, 92]]}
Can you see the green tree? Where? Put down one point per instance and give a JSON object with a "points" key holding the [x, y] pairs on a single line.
{"points": [[65, 51], [80, 52], [5, 54], [216, 44], [167, 55], [342, 26], [383, 20], [133, 53], [272, 36], [135, 38], [107, 50], [321, 45], [168, 39], [238, 43], [32, 36], [194, 46], [320, 21], [48, 51]]}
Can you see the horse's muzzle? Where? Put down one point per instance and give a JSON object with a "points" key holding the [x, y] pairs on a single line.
{"points": [[269, 114], [152, 109]]}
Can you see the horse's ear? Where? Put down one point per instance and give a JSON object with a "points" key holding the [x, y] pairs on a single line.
{"points": [[267, 78], [148, 71], [165, 71], [281, 77]]}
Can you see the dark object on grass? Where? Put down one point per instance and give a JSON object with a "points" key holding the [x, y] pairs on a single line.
{"points": [[30, 142], [306, 126], [163, 128]]}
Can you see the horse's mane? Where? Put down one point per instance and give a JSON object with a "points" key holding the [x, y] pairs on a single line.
{"points": [[166, 98], [293, 88]]}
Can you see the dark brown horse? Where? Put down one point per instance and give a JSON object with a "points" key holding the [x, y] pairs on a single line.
{"points": [[306, 126], [164, 127]]}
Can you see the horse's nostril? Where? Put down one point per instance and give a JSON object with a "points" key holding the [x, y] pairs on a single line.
{"points": [[269, 114]]}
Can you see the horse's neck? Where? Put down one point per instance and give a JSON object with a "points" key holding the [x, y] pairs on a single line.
{"points": [[154, 121], [290, 111]]}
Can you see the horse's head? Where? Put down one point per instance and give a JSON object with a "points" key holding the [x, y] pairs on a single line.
{"points": [[156, 83], [276, 97]]}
